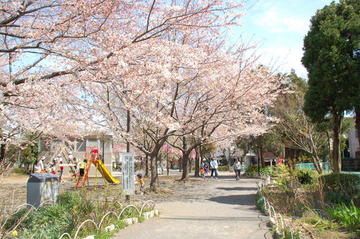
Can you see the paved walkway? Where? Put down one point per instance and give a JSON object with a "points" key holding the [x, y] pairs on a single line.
{"points": [[228, 211]]}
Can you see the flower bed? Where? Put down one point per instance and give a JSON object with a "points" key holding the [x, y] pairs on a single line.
{"points": [[74, 216]]}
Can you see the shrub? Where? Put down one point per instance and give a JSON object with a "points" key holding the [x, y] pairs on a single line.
{"points": [[260, 202], [69, 199], [19, 171], [347, 216], [283, 177], [224, 168], [266, 171], [341, 188], [251, 171], [46, 222], [306, 176]]}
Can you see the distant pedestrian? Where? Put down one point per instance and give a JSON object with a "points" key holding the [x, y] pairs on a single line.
{"points": [[61, 171], [73, 166], [214, 168], [42, 165], [37, 168], [237, 169], [52, 167], [202, 169], [206, 167]]}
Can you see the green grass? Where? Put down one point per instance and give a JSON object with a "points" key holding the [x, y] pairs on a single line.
{"points": [[346, 216]]}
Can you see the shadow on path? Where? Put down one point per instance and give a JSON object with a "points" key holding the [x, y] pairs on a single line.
{"points": [[244, 199], [237, 188]]}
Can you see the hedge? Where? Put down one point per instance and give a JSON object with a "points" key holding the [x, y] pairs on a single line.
{"points": [[341, 188]]}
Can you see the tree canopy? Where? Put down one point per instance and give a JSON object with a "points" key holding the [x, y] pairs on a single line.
{"points": [[328, 57], [333, 68]]}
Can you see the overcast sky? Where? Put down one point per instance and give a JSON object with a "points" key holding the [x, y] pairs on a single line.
{"points": [[279, 27]]}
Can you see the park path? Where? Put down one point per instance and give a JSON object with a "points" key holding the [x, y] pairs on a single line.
{"points": [[227, 211]]}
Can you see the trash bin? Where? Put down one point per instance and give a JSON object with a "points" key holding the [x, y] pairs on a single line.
{"points": [[42, 188]]}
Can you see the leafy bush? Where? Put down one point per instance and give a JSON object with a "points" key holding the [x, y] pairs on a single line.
{"points": [[69, 199], [224, 168], [283, 176], [47, 222], [51, 221], [266, 171], [347, 216], [14, 219], [341, 188], [251, 171], [19, 171], [260, 202], [306, 176]]}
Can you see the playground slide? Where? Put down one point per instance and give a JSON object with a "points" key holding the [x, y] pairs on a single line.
{"points": [[105, 173]]}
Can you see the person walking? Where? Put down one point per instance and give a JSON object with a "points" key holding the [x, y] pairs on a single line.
{"points": [[214, 167], [61, 171], [237, 169]]}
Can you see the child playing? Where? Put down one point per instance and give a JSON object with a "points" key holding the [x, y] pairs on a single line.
{"points": [[202, 171], [82, 166], [140, 182]]}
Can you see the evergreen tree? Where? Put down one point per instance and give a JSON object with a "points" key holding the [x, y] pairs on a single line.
{"points": [[333, 69]]}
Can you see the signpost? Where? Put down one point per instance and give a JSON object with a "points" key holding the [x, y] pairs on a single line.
{"points": [[128, 172]]}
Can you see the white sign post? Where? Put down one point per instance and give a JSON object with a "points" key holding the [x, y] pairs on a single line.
{"points": [[128, 172]]}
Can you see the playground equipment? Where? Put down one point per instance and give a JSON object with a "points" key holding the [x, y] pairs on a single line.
{"points": [[63, 151], [95, 160]]}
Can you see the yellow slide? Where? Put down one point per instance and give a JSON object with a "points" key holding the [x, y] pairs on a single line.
{"points": [[105, 172]]}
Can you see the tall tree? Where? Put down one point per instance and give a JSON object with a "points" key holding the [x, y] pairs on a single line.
{"points": [[332, 70], [295, 127]]}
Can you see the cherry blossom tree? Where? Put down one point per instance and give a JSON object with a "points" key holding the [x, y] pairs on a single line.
{"points": [[45, 43]]}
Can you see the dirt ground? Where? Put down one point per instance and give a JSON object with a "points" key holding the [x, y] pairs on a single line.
{"points": [[13, 190]]}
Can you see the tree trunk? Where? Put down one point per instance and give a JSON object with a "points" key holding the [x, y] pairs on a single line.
{"points": [[147, 166], [153, 173], [336, 160], [262, 163], [197, 162], [190, 164], [329, 147], [316, 160], [357, 123], [158, 161], [180, 164], [185, 160], [2, 153], [167, 165]]}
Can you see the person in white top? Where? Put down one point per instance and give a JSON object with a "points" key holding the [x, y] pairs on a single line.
{"points": [[37, 168], [41, 164], [214, 168], [237, 169]]}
